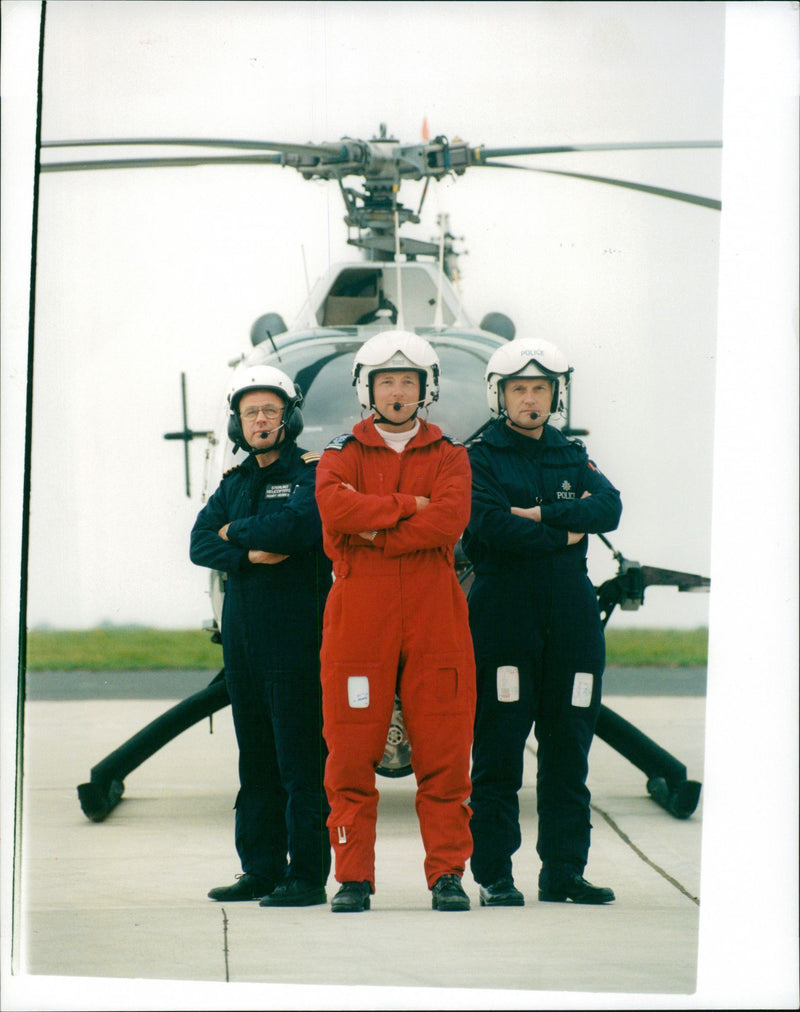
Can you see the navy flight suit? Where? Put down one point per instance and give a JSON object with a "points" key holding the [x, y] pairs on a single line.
{"points": [[538, 639], [271, 637]]}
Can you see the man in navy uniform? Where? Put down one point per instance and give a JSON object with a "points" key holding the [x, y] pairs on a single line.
{"points": [[536, 626], [262, 528]]}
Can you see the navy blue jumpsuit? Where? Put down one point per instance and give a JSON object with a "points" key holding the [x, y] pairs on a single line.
{"points": [[538, 638], [271, 637]]}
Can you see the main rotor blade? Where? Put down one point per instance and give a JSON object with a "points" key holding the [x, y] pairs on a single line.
{"points": [[327, 154], [325, 150], [659, 191], [165, 162], [482, 153]]}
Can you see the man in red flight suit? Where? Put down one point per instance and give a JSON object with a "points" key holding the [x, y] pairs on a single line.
{"points": [[394, 497]]}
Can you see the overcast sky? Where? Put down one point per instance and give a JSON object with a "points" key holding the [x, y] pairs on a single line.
{"points": [[145, 274]]}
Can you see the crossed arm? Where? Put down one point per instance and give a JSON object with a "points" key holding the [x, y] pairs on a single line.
{"points": [[535, 513], [396, 522]]}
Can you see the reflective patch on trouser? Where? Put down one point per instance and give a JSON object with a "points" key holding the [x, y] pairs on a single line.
{"points": [[358, 692], [507, 683], [582, 689]]}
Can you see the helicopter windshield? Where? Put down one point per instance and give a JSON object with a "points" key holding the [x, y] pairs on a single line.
{"points": [[322, 368]]}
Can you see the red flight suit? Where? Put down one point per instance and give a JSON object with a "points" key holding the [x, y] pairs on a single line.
{"points": [[396, 621]]}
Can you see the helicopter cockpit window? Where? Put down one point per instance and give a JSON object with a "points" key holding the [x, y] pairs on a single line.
{"points": [[354, 298], [330, 406], [462, 408], [323, 371]]}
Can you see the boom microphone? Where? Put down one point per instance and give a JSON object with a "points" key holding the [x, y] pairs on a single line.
{"points": [[396, 406], [399, 405], [266, 433], [534, 415]]}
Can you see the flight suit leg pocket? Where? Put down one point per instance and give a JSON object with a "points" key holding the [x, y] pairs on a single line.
{"points": [[507, 683], [446, 685], [358, 693], [582, 689]]}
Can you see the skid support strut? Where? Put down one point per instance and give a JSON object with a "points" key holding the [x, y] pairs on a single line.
{"points": [[666, 775], [104, 790]]}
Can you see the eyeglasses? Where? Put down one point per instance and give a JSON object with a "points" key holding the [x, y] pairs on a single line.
{"points": [[269, 412]]}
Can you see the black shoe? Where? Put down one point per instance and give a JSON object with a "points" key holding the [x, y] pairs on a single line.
{"points": [[295, 893], [351, 898], [448, 894], [573, 887], [502, 893], [246, 887]]}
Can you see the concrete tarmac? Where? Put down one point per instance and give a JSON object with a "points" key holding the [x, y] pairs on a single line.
{"points": [[109, 913]]}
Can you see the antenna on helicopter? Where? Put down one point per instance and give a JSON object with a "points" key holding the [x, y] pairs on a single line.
{"points": [[400, 318], [437, 317], [187, 435], [311, 320]]}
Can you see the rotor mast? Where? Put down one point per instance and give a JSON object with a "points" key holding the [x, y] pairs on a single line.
{"points": [[374, 212]]}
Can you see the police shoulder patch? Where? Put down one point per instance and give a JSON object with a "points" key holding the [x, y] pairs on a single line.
{"points": [[338, 442], [310, 457]]}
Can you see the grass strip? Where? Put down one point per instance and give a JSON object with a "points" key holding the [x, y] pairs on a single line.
{"points": [[136, 649]]}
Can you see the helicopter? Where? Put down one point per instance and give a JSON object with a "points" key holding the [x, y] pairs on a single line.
{"points": [[398, 282]]}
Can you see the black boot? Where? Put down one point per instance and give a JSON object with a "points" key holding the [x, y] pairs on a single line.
{"points": [[502, 893], [351, 898], [295, 893], [246, 887], [448, 894], [558, 883]]}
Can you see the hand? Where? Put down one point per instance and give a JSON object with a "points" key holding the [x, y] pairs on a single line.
{"points": [[265, 558], [530, 512], [422, 502], [367, 535], [223, 532]]}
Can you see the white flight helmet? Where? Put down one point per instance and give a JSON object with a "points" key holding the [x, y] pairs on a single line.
{"points": [[527, 356], [264, 377], [396, 349]]}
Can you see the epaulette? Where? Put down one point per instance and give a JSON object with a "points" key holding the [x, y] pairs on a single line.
{"points": [[477, 436], [338, 442], [232, 469], [310, 457]]}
